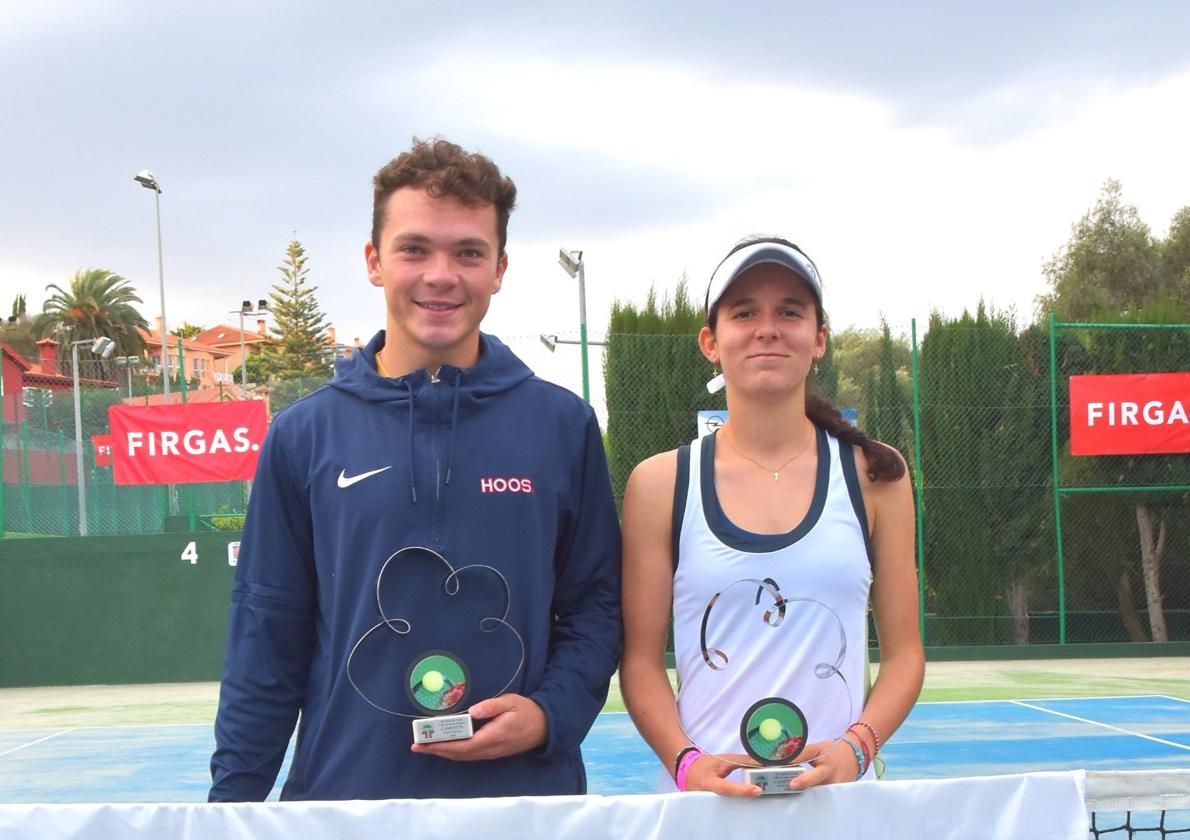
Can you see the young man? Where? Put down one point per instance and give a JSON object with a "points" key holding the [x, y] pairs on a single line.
{"points": [[434, 436]]}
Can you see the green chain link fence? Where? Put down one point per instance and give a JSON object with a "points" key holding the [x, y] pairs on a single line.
{"points": [[973, 417], [1124, 535], [39, 491]]}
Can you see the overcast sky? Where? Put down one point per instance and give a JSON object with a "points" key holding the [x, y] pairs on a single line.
{"points": [[925, 154]]}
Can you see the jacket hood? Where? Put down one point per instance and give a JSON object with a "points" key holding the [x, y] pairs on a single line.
{"points": [[497, 370]]}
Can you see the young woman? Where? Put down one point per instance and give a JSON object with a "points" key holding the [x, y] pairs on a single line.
{"points": [[790, 506]]}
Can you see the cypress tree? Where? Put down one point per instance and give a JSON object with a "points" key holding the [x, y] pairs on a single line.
{"points": [[655, 379]]}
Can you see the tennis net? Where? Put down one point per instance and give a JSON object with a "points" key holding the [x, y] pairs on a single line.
{"points": [[1139, 804]]}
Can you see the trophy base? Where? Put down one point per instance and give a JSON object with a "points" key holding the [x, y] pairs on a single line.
{"points": [[773, 779], [444, 728]]}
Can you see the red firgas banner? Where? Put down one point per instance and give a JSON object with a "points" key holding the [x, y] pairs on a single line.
{"points": [[186, 444], [1129, 414], [103, 450]]}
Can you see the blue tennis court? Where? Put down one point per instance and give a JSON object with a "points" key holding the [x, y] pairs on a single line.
{"points": [[168, 763]]}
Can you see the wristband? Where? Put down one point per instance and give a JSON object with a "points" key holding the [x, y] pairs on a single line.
{"points": [[863, 745], [859, 757], [682, 754], [687, 759]]}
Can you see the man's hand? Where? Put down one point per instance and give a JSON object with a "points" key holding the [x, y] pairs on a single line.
{"points": [[515, 724]]}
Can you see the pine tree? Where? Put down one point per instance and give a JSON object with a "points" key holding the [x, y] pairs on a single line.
{"points": [[299, 323]]}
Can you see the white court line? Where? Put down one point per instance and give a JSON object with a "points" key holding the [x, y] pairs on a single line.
{"points": [[1049, 699], [1103, 725], [1178, 699], [38, 741], [102, 726]]}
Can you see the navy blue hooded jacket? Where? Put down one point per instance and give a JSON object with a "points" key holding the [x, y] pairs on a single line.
{"points": [[486, 465]]}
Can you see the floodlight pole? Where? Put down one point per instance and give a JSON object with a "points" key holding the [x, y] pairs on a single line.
{"points": [[572, 263], [147, 180], [262, 308], [78, 440], [243, 360], [104, 347], [128, 363]]}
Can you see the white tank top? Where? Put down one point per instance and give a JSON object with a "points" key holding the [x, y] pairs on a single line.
{"points": [[818, 576]]}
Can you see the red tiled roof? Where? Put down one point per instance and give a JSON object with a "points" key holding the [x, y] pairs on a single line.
{"points": [[21, 361], [223, 335], [32, 374], [154, 339]]}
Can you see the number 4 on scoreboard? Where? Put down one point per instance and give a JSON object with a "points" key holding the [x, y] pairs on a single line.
{"points": [[190, 552]]}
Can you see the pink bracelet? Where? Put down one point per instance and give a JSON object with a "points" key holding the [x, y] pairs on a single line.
{"points": [[684, 766]]}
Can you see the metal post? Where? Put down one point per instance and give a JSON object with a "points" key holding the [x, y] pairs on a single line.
{"points": [[161, 286], [582, 326], [3, 515], [27, 484], [917, 484], [243, 361], [80, 480], [1056, 480], [181, 369]]}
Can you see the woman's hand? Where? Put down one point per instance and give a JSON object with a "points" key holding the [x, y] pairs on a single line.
{"points": [[709, 772], [833, 762]]}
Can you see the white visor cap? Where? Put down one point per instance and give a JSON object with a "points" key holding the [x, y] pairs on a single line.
{"points": [[760, 253]]}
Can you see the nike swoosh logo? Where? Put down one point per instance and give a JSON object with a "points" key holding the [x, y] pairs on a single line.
{"points": [[346, 481]]}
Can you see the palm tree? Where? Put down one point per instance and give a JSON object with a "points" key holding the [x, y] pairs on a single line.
{"points": [[98, 303]]}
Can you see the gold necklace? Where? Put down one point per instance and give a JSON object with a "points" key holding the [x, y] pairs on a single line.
{"points": [[777, 472]]}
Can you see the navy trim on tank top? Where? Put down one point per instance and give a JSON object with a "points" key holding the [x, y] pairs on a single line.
{"points": [[736, 537], [851, 477], [681, 483]]}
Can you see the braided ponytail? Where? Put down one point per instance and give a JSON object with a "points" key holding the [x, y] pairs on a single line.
{"points": [[883, 461]]}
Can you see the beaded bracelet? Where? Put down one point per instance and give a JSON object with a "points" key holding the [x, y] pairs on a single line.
{"points": [[688, 758], [859, 757], [871, 729]]}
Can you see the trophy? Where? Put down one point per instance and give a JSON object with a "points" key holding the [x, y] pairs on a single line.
{"points": [[781, 728], [463, 609]]}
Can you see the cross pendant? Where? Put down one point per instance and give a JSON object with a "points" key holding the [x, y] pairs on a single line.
{"points": [[776, 476]]}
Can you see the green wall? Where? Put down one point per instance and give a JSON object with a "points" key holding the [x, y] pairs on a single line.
{"points": [[106, 610]]}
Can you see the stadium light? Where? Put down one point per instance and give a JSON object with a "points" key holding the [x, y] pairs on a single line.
{"points": [[101, 347], [147, 180], [552, 341]]}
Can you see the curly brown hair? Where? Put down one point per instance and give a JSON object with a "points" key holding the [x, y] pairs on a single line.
{"points": [[442, 168]]}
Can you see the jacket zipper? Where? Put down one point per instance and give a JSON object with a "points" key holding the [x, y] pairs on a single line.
{"points": [[434, 380]]}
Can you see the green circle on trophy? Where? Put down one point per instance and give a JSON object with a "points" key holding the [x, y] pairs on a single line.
{"points": [[773, 731], [437, 682]]}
